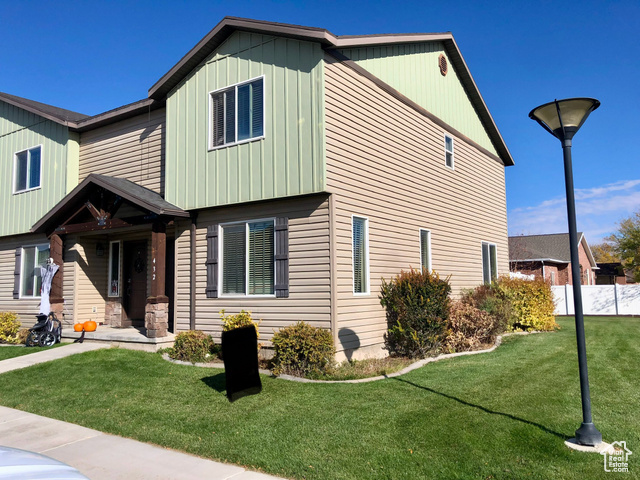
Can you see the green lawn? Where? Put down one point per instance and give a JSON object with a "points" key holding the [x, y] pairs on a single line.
{"points": [[11, 351], [499, 415]]}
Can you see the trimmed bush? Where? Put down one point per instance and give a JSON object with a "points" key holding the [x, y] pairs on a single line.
{"points": [[417, 305], [532, 302], [489, 299], [302, 350], [242, 319], [192, 346], [470, 328], [9, 326]]}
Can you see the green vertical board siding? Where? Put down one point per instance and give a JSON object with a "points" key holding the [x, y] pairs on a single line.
{"points": [[413, 70], [290, 158], [20, 130]]}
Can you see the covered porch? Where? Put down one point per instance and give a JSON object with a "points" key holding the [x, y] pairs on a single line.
{"points": [[114, 242]]}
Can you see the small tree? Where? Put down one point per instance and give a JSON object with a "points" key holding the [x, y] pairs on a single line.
{"points": [[626, 243]]}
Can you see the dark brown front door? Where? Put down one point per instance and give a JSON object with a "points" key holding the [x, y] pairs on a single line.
{"points": [[135, 281]]}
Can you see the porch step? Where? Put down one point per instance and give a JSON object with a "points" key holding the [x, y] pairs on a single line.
{"points": [[131, 338]]}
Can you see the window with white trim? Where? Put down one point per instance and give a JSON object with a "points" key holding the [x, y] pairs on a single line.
{"points": [[26, 169], [448, 151], [248, 258], [30, 277], [237, 113], [360, 252], [425, 249], [114, 268], [489, 262]]}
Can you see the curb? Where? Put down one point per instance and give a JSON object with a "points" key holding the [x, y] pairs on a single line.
{"points": [[413, 366]]}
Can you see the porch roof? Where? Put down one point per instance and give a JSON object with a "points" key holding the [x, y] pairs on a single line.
{"points": [[129, 191]]}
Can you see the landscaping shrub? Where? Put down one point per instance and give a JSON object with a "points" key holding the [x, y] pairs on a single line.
{"points": [[22, 335], [470, 327], [302, 350], [192, 346], [532, 302], [9, 326], [417, 305], [242, 319], [489, 299]]}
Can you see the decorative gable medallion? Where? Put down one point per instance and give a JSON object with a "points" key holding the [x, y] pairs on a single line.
{"points": [[442, 63]]}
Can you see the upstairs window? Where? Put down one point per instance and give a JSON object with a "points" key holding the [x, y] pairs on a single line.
{"points": [[237, 114], [489, 262], [26, 172], [448, 151]]}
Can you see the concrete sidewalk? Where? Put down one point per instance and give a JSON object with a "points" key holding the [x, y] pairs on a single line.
{"points": [[100, 456], [47, 355]]}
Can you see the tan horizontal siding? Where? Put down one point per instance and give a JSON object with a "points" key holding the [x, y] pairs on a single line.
{"points": [[90, 279], [309, 269], [385, 162], [133, 149], [26, 308]]}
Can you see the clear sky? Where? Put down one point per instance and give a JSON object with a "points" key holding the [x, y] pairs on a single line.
{"points": [[94, 56]]}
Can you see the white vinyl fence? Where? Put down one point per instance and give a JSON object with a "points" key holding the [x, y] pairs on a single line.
{"points": [[599, 299]]}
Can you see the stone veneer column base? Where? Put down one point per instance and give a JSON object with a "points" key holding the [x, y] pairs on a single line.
{"points": [[113, 314], [156, 319]]}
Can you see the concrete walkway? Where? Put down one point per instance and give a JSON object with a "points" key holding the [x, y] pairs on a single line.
{"points": [[24, 361], [98, 455]]}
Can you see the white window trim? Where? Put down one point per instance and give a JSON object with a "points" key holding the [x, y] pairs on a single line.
{"points": [[119, 270], [366, 257], [481, 253], [430, 266], [246, 267], [22, 256], [235, 86], [15, 161], [453, 156]]}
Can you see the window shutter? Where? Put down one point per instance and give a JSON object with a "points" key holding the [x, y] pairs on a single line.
{"points": [[212, 261], [16, 274], [282, 257]]}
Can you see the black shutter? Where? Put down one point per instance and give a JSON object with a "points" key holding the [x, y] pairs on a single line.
{"points": [[212, 261], [16, 274], [282, 257]]}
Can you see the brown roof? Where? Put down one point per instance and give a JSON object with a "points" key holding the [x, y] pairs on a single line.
{"points": [[132, 192], [553, 247], [58, 115]]}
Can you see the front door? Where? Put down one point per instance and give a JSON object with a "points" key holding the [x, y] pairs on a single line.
{"points": [[135, 281]]}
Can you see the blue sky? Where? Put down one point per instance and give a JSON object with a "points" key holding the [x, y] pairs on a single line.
{"points": [[94, 56]]}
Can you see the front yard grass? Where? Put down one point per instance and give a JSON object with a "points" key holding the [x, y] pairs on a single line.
{"points": [[499, 415]]}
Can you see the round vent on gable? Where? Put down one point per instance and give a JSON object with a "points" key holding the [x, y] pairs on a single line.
{"points": [[442, 63]]}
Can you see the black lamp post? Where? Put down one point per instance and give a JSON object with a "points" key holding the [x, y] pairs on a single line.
{"points": [[562, 119]]}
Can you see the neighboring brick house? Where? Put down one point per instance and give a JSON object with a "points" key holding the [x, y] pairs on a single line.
{"points": [[549, 257]]}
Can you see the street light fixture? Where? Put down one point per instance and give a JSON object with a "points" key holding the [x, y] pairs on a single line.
{"points": [[562, 119]]}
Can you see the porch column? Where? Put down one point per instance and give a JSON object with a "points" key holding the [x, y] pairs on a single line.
{"points": [[56, 297], [157, 310]]}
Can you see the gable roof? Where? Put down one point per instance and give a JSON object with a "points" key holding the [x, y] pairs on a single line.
{"points": [[553, 247], [58, 115], [329, 41], [132, 192]]}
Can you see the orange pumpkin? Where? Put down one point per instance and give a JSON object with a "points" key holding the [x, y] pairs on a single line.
{"points": [[78, 327], [90, 326]]}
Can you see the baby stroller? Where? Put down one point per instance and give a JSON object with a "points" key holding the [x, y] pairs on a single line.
{"points": [[46, 332]]}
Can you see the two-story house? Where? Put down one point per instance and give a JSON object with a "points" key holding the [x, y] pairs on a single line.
{"points": [[275, 168]]}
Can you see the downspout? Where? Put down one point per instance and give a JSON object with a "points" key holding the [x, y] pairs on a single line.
{"points": [[544, 277], [192, 271]]}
